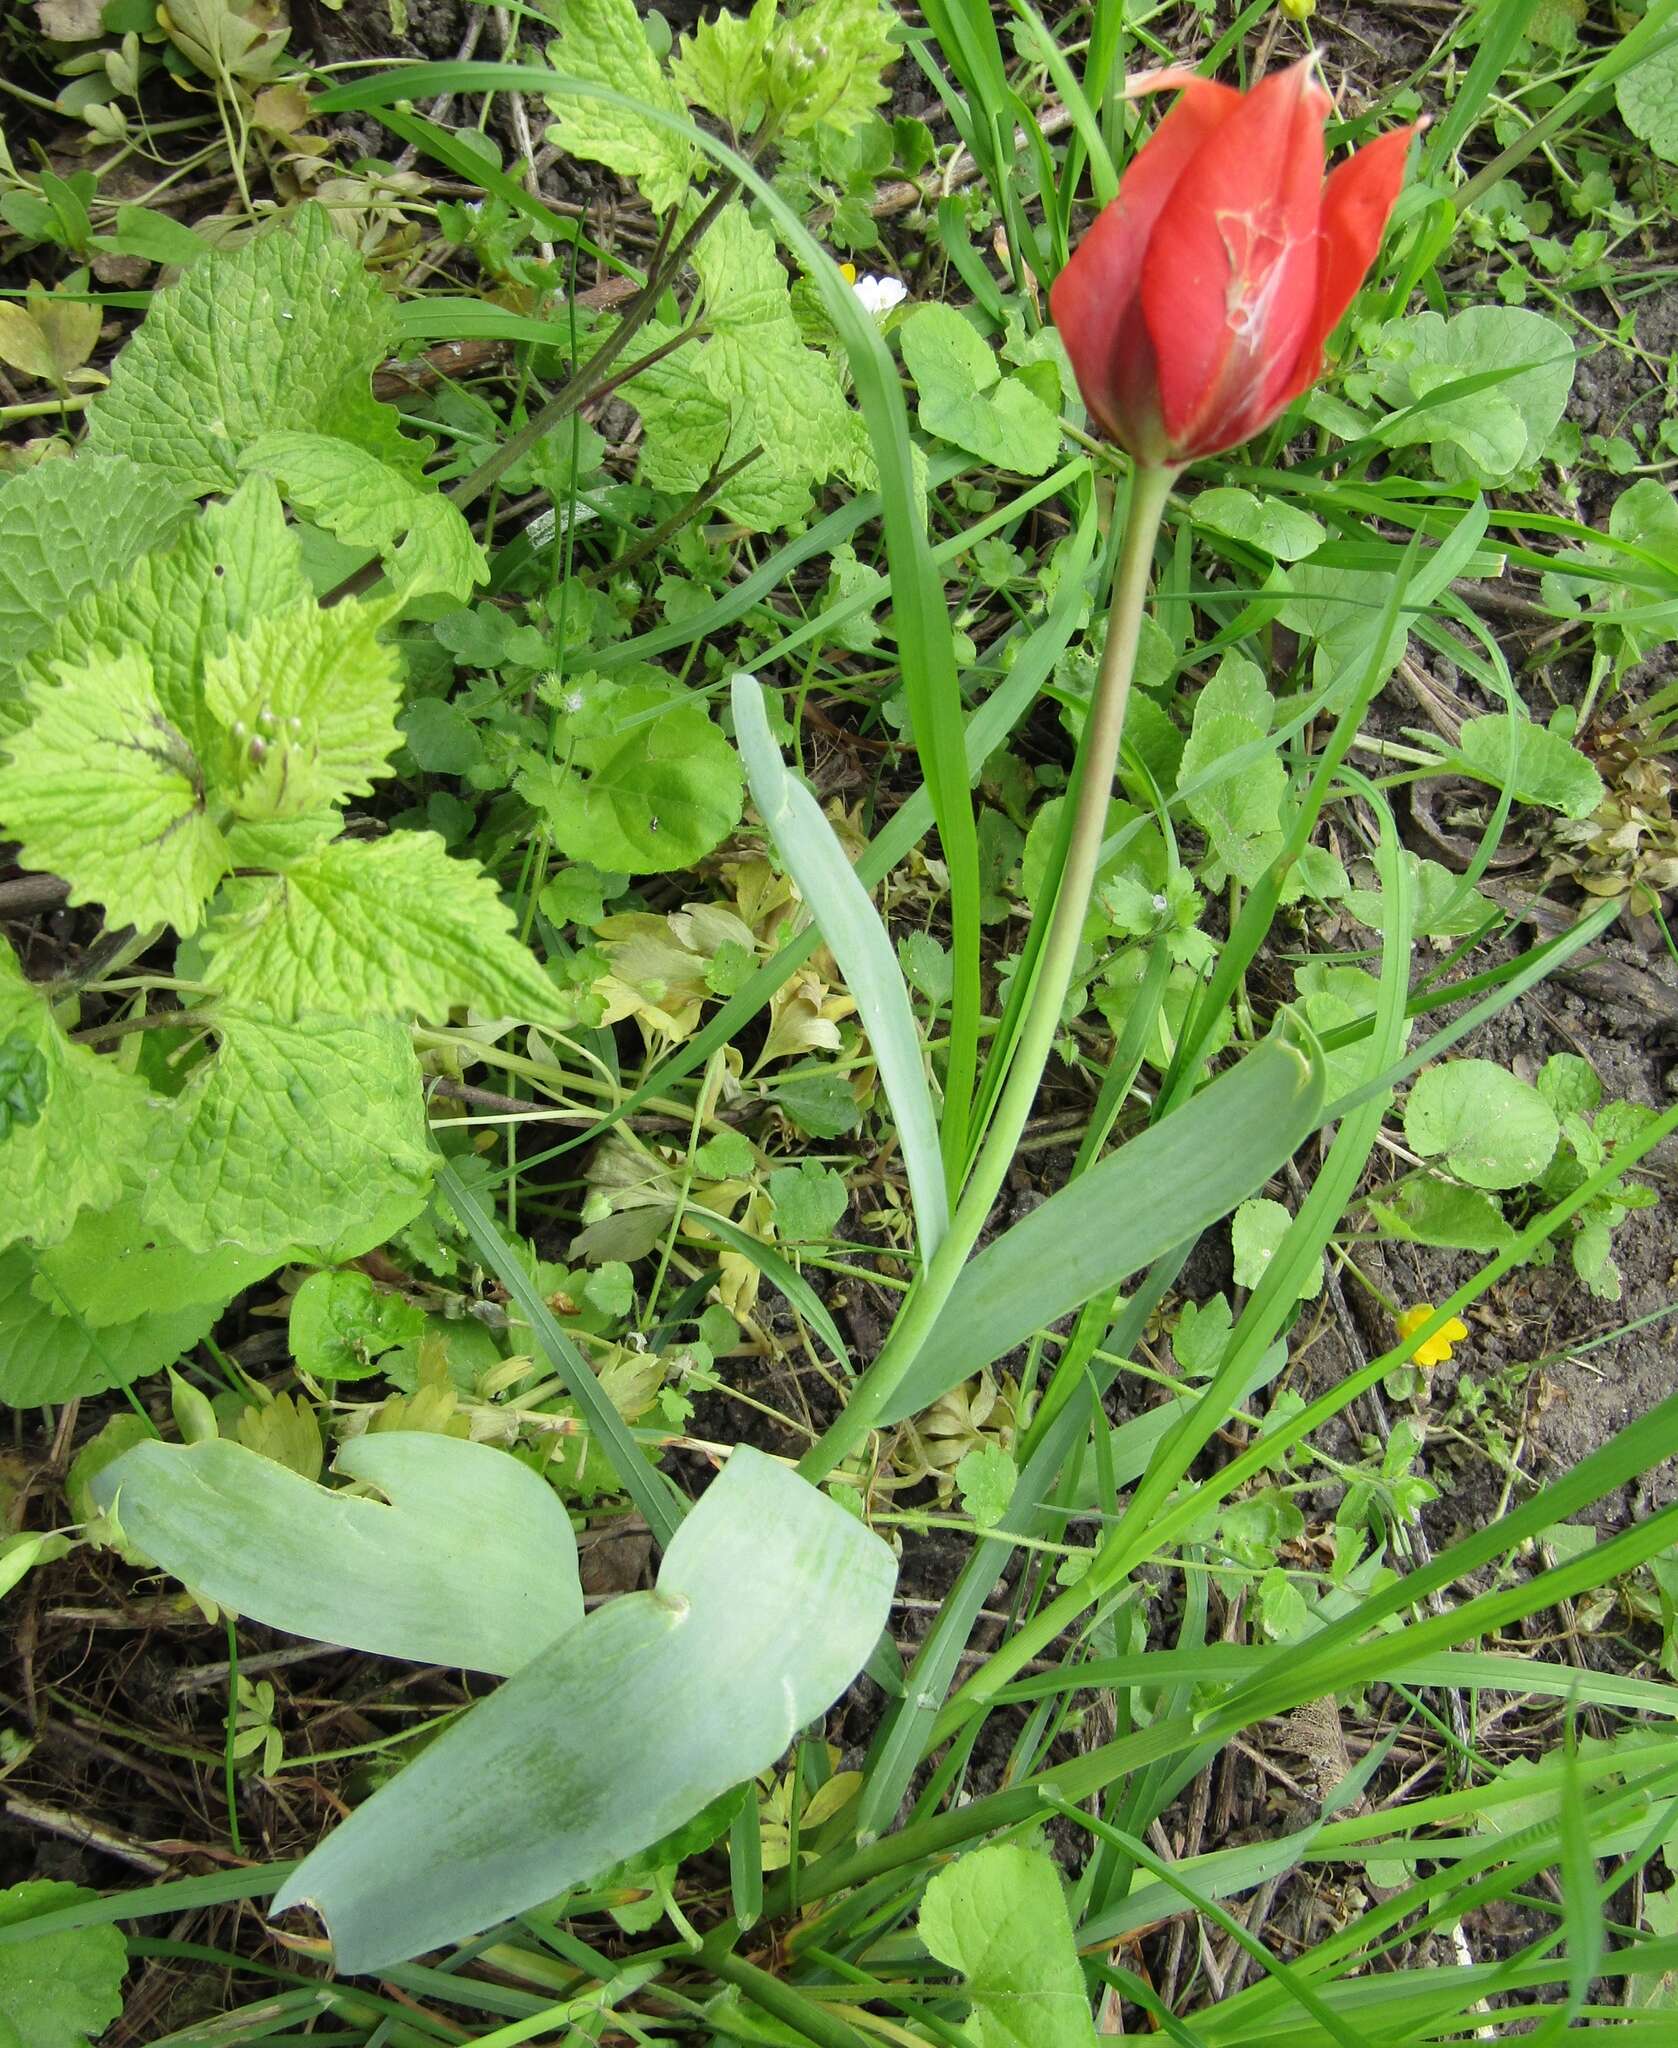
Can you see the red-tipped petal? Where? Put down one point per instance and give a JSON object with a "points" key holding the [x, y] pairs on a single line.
{"points": [[1229, 279], [1357, 203], [1094, 294]]}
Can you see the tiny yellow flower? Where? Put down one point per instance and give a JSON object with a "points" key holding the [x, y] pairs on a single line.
{"points": [[848, 272], [1437, 1348]]}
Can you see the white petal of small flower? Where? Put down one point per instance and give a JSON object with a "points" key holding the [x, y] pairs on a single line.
{"points": [[880, 294]]}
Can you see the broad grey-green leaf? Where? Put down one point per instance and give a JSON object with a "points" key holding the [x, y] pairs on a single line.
{"points": [[67, 528], [1549, 770], [1160, 1190], [283, 333], [999, 1916], [858, 941], [45, 1357], [391, 927], [769, 1599], [291, 1132], [469, 1560]]}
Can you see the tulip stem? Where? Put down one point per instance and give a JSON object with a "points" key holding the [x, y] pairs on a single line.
{"points": [[1098, 755]]}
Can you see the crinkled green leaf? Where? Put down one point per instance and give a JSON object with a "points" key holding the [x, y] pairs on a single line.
{"points": [[754, 386], [828, 65], [723, 64], [769, 1599], [1549, 769], [51, 1357], [393, 926], [1491, 433], [469, 1560], [282, 333], [1491, 1128], [104, 790], [999, 1917], [92, 1115], [1240, 813], [231, 565], [422, 540], [604, 43], [59, 1990], [966, 400], [309, 698], [67, 528], [653, 786], [292, 1132]]}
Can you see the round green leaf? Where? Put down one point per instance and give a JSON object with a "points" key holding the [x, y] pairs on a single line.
{"points": [[1648, 101], [1491, 1129]]}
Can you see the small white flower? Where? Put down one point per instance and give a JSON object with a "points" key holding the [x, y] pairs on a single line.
{"points": [[879, 295]]}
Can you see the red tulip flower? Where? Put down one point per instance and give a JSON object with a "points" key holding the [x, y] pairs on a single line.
{"points": [[1197, 306]]}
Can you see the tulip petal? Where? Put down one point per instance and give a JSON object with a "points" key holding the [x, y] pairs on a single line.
{"points": [[1229, 278], [1094, 294], [1357, 201]]}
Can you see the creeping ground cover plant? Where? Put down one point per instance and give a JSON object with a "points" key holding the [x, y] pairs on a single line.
{"points": [[779, 877]]}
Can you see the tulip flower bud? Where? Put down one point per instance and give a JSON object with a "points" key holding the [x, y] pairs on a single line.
{"points": [[1196, 308]]}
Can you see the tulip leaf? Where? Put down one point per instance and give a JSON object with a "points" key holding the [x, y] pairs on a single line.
{"points": [[966, 400], [769, 1599], [1160, 1190], [472, 1562], [857, 939]]}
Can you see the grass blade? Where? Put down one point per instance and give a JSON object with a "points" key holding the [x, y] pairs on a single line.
{"points": [[645, 1484]]}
